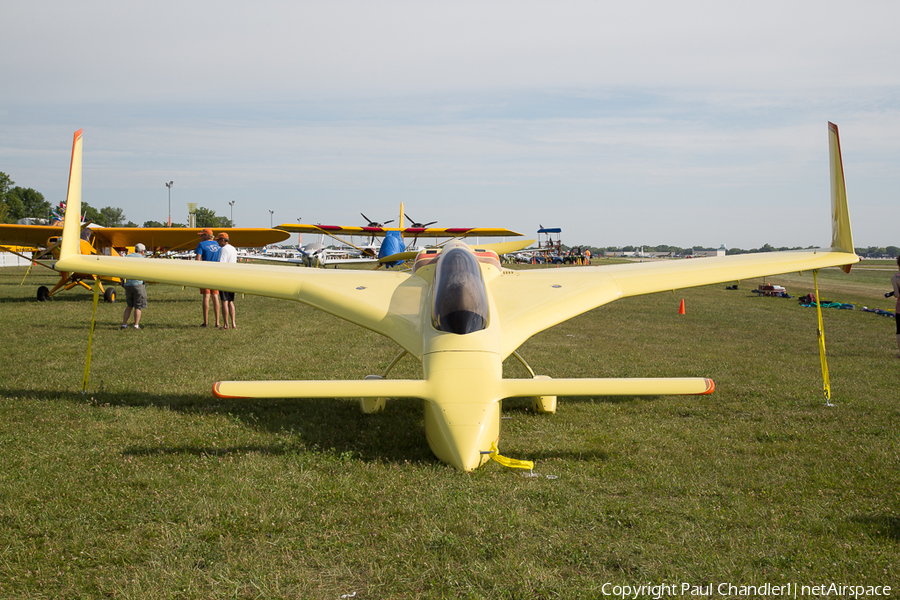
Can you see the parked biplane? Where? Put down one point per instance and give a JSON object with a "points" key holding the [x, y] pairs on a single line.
{"points": [[393, 242], [43, 240], [461, 314]]}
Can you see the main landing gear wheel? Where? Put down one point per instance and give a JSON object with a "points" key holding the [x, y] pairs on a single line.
{"points": [[43, 293], [109, 295]]}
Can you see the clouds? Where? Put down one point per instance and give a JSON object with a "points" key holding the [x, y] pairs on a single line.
{"points": [[501, 112], [176, 51]]}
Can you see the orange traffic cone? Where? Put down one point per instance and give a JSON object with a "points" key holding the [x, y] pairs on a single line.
{"points": [[681, 307]]}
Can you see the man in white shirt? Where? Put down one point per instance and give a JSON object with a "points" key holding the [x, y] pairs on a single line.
{"points": [[227, 254]]}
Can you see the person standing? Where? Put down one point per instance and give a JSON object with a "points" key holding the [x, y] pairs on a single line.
{"points": [[227, 254], [895, 282], [208, 250], [135, 293]]}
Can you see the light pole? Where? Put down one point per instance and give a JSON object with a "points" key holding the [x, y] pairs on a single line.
{"points": [[169, 185], [271, 216], [231, 204]]}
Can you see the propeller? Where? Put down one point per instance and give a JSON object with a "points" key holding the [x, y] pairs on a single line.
{"points": [[414, 225], [372, 223]]}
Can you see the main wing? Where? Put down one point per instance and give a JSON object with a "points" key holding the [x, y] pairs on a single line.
{"points": [[533, 300], [530, 301], [387, 303]]}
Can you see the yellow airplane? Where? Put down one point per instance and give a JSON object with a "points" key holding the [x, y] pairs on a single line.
{"points": [[461, 314], [43, 241]]}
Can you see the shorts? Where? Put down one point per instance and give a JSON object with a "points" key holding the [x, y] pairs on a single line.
{"points": [[205, 292], [136, 296], [227, 296]]}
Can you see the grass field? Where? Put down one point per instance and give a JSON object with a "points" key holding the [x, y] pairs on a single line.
{"points": [[148, 486]]}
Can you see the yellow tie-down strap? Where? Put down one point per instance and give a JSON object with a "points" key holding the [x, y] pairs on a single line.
{"points": [[821, 335], [512, 463]]}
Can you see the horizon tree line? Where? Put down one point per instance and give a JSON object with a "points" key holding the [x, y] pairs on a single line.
{"points": [[19, 203]]}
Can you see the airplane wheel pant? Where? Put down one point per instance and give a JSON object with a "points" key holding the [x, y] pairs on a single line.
{"points": [[543, 404], [372, 405]]}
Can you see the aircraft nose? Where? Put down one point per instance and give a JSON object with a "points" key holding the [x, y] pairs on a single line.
{"points": [[458, 433]]}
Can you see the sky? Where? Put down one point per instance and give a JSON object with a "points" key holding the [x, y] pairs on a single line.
{"points": [[640, 123]]}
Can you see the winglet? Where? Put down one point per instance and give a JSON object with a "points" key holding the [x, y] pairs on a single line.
{"points": [[841, 236], [71, 236]]}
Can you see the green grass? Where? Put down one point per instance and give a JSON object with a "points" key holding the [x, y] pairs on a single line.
{"points": [[148, 486]]}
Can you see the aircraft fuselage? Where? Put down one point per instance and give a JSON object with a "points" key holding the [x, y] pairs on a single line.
{"points": [[461, 361]]}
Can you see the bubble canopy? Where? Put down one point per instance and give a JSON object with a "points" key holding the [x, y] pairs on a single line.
{"points": [[460, 301]]}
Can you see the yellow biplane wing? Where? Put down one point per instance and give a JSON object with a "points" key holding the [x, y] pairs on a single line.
{"points": [[37, 236], [153, 237], [187, 237], [32, 236]]}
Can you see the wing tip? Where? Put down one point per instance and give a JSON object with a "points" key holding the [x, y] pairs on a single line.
{"points": [[219, 394]]}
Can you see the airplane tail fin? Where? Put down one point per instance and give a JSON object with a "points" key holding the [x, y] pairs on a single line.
{"points": [[71, 237], [841, 235]]}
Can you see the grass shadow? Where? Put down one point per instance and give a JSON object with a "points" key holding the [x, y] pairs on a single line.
{"points": [[326, 425], [886, 526]]}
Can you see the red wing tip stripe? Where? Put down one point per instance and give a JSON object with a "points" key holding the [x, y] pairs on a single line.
{"points": [[219, 395], [710, 387]]}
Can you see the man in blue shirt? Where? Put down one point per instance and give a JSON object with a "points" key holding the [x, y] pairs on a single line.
{"points": [[208, 250], [135, 293]]}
